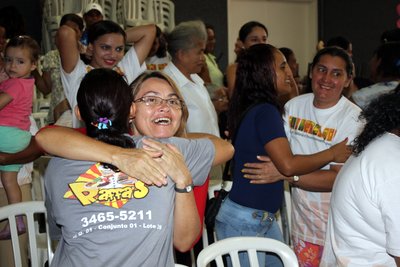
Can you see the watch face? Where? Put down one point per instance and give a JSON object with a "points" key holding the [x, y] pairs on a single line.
{"points": [[187, 189]]}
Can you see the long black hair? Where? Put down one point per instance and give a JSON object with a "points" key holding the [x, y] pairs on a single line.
{"points": [[104, 101], [246, 29], [103, 27], [382, 115], [255, 82]]}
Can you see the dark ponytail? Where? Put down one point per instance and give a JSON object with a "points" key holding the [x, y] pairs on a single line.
{"points": [[104, 101]]}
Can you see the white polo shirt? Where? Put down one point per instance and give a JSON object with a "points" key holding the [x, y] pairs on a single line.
{"points": [[202, 115]]}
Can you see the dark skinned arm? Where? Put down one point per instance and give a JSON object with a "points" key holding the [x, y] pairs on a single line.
{"points": [[29, 154]]}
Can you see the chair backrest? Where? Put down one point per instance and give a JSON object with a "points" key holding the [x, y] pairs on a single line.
{"points": [[234, 245], [29, 209], [135, 10], [164, 14]]}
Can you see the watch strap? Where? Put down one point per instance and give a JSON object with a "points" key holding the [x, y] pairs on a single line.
{"points": [[187, 189]]}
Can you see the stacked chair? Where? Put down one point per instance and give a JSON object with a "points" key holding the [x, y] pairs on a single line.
{"points": [[127, 13]]}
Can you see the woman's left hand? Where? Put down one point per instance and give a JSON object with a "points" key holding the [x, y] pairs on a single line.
{"points": [[171, 161]]}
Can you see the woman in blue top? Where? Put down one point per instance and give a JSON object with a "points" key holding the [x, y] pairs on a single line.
{"points": [[255, 118]]}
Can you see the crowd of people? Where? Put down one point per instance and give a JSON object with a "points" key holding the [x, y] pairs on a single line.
{"points": [[144, 119]]}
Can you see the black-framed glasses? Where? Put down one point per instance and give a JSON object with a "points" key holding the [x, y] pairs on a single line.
{"points": [[153, 101]]}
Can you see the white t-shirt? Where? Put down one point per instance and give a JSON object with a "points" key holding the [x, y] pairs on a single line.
{"points": [[202, 115], [129, 65], [157, 63], [364, 220], [311, 130], [364, 96]]}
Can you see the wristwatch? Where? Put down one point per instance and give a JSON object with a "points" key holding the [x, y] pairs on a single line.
{"points": [[187, 189], [296, 178]]}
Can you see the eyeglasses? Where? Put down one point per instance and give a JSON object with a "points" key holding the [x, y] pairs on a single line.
{"points": [[153, 101]]}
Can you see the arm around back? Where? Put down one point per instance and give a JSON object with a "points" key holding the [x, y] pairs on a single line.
{"points": [[68, 143], [288, 164]]}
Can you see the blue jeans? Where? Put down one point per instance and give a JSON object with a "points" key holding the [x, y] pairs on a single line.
{"points": [[237, 220]]}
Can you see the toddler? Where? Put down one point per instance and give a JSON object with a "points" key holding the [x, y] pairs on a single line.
{"points": [[16, 93]]}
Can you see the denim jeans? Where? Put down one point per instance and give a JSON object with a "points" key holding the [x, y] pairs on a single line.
{"points": [[237, 220]]}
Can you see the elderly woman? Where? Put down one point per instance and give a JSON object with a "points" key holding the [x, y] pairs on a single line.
{"points": [[186, 44], [100, 208]]}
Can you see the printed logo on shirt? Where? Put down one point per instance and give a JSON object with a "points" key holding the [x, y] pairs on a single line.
{"points": [[102, 185], [311, 128], [160, 66]]}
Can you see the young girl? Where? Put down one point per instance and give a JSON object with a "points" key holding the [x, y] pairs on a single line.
{"points": [[251, 33], [255, 118], [107, 49], [16, 95]]}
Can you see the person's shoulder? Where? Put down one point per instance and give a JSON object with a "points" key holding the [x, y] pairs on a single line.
{"points": [[300, 99], [169, 69], [349, 106], [263, 111], [263, 106], [197, 79], [186, 141], [369, 90], [19, 83]]}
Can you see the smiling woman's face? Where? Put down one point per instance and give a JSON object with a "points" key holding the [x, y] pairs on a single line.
{"points": [[159, 120]]}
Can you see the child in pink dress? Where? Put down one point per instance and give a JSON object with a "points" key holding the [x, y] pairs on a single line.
{"points": [[16, 93]]}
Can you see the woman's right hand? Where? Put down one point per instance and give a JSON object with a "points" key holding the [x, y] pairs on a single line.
{"points": [[172, 161], [141, 164], [341, 151]]}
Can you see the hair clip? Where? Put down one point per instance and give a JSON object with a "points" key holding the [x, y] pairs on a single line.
{"points": [[102, 123]]}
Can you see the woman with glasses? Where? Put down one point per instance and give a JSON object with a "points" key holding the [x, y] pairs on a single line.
{"points": [[108, 217]]}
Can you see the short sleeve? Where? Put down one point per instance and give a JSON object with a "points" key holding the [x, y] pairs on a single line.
{"points": [[269, 124], [199, 155]]}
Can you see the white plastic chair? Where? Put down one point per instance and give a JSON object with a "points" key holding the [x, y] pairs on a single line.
{"points": [[164, 14], [40, 118], [29, 209], [138, 12], [234, 245], [283, 218]]}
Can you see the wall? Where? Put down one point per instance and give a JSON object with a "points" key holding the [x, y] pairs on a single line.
{"points": [[362, 22], [290, 23], [31, 11]]}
